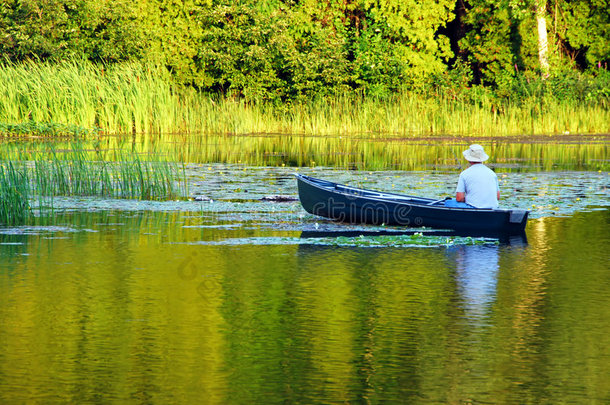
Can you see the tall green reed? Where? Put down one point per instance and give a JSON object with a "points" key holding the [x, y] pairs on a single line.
{"points": [[134, 98], [44, 129], [14, 194], [74, 173]]}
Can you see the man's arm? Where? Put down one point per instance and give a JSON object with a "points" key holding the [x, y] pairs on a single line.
{"points": [[460, 191], [498, 195]]}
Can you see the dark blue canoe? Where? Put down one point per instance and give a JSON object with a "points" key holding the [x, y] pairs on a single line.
{"points": [[355, 205]]}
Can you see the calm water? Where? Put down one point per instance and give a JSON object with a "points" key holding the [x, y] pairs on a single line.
{"points": [[237, 300]]}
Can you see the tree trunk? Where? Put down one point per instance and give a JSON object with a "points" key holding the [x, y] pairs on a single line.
{"points": [[542, 37]]}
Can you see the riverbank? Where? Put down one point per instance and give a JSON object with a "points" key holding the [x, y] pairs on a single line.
{"points": [[133, 98]]}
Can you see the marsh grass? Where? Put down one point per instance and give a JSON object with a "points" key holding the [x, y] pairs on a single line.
{"points": [[133, 98], [14, 194], [128, 176], [45, 129], [72, 173]]}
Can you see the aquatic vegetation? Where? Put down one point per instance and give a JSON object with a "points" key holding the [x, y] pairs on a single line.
{"points": [[235, 193], [73, 174], [417, 239], [14, 195], [128, 176], [134, 98], [44, 129], [391, 241], [125, 99]]}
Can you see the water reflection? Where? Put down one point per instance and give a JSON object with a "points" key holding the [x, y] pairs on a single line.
{"points": [[476, 277], [354, 153], [124, 307]]}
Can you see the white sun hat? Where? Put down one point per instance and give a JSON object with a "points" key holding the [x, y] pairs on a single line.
{"points": [[475, 153]]}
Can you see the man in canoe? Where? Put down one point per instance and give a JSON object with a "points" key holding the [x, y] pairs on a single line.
{"points": [[478, 184]]}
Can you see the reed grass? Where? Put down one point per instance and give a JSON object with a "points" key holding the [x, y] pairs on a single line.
{"points": [[14, 194], [133, 98], [74, 174], [128, 176], [44, 129]]}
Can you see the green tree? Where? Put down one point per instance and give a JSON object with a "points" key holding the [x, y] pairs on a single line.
{"points": [[398, 42], [271, 52], [499, 40], [289, 49], [56, 29], [583, 30], [174, 32], [506, 37]]}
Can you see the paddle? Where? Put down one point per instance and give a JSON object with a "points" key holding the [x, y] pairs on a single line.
{"points": [[437, 201]]}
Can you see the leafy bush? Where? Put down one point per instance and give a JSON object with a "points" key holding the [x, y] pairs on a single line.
{"points": [[280, 50]]}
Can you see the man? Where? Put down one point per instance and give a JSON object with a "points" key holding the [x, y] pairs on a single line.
{"points": [[477, 185]]}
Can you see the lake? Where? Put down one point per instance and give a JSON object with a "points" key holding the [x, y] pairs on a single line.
{"points": [[238, 300]]}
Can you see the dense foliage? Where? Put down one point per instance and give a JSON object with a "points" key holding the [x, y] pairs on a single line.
{"points": [[288, 49]]}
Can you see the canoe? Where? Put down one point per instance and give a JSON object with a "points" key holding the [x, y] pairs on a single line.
{"points": [[355, 205]]}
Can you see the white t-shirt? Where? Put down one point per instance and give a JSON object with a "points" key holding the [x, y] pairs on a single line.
{"points": [[480, 184]]}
